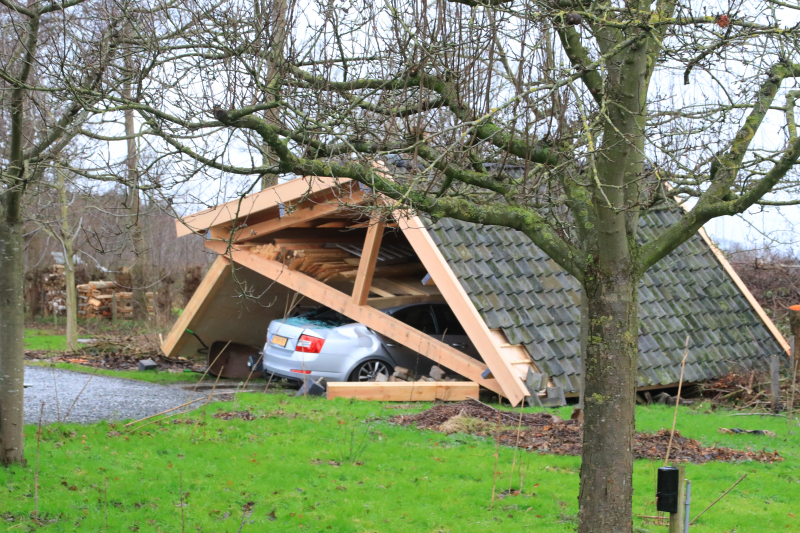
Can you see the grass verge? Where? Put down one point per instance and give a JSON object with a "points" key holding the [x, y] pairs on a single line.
{"points": [[44, 340], [299, 466], [151, 376]]}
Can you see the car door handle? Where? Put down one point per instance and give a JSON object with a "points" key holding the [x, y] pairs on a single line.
{"points": [[458, 345]]}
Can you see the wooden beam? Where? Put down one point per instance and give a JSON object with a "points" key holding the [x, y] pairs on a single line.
{"points": [[410, 391], [306, 212], [239, 209], [197, 306], [394, 301], [507, 376], [381, 292], [366, 268], [395, 287], [374, 319]]}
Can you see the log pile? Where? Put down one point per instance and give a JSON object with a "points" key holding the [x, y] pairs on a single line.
{"points": [[53, 284], [328, 264], [96, 299]]}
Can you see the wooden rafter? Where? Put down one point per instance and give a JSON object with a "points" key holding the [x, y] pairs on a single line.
{"points": [[366, 267], [306, 212], [373, 318], [197, 305], [229, 212], [472, 322]]}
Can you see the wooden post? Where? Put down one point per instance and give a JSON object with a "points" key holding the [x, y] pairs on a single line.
{"points": [[792, 381], [775, 369], [366, 266], [113, 307], [676, 519]]}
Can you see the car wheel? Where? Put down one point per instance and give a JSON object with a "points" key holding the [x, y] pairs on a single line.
{"points": [[369, 370]]}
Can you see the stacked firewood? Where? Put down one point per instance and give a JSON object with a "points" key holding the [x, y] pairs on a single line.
{"points": [[97, 299], [327, 264], [53, 284]]}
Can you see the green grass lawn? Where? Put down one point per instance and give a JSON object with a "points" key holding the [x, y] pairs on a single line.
{"points": [[42, 339], [405, 480]]}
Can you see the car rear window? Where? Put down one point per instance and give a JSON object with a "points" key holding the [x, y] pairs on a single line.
{"points": [[448, 323], [417, 316], [321, 316]]}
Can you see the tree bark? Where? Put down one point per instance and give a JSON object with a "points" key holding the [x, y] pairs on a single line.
{"points": [[273, 20], [611, 363], [69, 266], [140, 251], [12, 327]]}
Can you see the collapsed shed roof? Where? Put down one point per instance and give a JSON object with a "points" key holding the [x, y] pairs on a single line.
{"points": [[516, 304], [517, 288]]}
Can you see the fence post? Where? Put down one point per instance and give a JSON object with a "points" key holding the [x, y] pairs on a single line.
{"points": [[775, 369], [676, 519], [114, 307]]}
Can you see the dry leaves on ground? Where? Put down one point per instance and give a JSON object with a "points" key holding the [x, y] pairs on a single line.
{"points": [[546, 433]]}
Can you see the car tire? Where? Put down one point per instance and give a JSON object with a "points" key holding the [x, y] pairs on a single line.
{"points": [[367, 370]]}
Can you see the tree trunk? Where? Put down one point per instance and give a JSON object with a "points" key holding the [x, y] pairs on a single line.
{"points": [[272, 22], [72, 297], [69, 265], [12, 328], [608, 431], [140, 252]]}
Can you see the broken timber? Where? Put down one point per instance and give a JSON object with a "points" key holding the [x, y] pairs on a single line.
{"points": [[412, 391], [374, 319]]}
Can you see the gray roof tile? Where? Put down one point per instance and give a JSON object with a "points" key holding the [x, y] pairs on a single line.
{"points": [[516, 287]]}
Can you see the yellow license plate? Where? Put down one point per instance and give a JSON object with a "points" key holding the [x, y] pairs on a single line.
{"points": [[280, 341]]}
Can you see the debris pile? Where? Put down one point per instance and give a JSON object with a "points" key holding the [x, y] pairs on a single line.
{"points": [[339, 263], [120, 353], [748, 390], [98, 298], [53, 284], [546, 433], [404, 374]]}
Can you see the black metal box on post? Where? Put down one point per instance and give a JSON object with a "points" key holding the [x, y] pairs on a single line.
{"points": [[668, 489]]}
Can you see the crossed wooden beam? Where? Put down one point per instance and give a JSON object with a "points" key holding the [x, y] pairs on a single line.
{"points": [[317, 198]]}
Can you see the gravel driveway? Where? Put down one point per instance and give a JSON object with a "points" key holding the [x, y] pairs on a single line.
{"points": [[105, 398]]}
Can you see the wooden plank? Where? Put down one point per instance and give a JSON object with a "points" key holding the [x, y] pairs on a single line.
{"points": [[241, 208], [366, 268], [411, 391], [373, 318], [394, 301], [405, 269], [676, 519], [775, 374], [381, 292], [308, 211], [200, 301], [395, 287], [412, 227], [513, 354]]}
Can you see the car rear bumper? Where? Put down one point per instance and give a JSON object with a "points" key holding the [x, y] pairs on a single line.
{"points": [[282, 366]]}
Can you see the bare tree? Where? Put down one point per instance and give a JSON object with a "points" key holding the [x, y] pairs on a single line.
{"points": [[55, 65], [563, 120], [55, 211]]}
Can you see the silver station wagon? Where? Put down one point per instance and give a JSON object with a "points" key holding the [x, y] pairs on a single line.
{"points": [[322, 343]]}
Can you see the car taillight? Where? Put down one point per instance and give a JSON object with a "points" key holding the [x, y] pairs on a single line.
{"points": [[309, 344]]}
